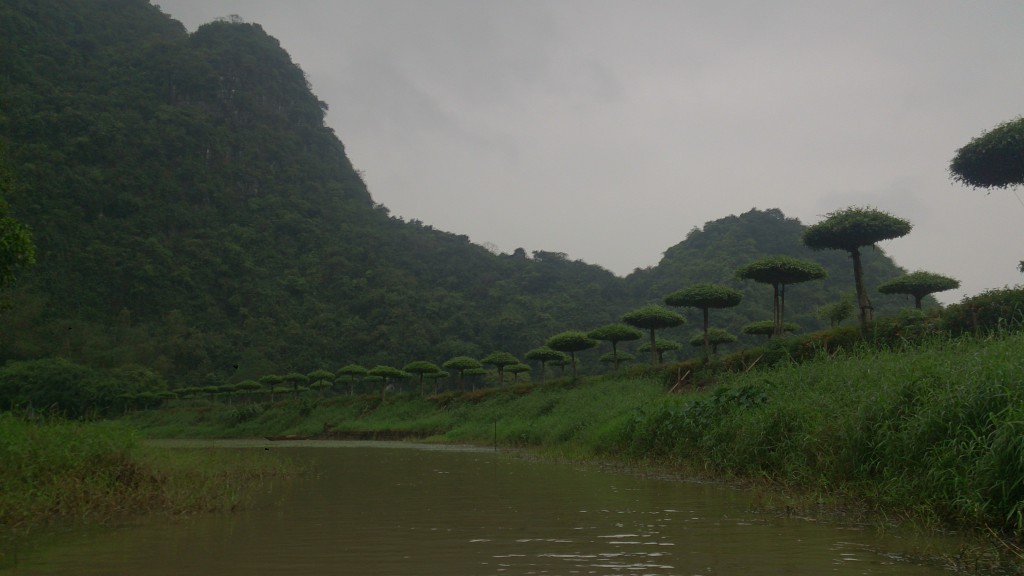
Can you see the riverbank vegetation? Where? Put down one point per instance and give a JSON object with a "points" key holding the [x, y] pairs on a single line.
{"points": [[100, 472], [931, 429]]}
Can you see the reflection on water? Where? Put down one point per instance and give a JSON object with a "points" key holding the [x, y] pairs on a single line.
{"points": [[440, 511]]}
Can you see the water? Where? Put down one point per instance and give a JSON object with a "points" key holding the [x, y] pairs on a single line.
{"points": [[389, 509]]}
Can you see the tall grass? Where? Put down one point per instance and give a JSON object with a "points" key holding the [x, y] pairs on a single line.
{"points": [[937, 428], [98, 472]]}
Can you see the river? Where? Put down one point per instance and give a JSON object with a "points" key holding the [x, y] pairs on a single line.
{"points": [[396, 509]]}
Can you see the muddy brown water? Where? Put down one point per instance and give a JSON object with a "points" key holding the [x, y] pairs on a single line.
{"points": [[397, 509]]}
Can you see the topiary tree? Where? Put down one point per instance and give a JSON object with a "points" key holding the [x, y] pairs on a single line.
{"points": [[435, 376], [571, 342], [320, 379], [767, 328], [849, 230], [652, 318], [295, 379], [705, 297], [616, 333], [919, 284], [517, 369], [460, 364], [271, 381], [421, 368], [352, 371], [546, 355], [715, 337], [386, 374], [993, 160], [617, 358], [499, 360], [661, 345], [248, 387], [780, 271]]}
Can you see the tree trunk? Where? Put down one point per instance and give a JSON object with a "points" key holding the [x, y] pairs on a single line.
{"points": [[654, 350], [866, 311], [707, 341]]}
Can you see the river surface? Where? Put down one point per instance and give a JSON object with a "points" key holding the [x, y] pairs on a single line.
{"points": [[394, 509]]}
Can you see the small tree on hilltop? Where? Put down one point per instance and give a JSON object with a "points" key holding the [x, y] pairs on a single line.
{"points": [[652, 318], [546, 355], [780, 271], [421, 368], [572, 341], [849, 230], [705, 297], [616, 333], [460, 364], [499, 360], [919, 284]]}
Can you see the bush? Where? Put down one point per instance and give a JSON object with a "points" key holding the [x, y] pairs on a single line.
{"points": [[1000, 310]]}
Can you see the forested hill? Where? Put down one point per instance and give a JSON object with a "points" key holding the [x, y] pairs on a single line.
{"points": [[194, 215]]}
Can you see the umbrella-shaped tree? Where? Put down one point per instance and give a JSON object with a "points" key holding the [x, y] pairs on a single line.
{"points": [[320, 379], [705, 297], [767, 328], [353, 371], [993, 160], [460, 364], [661, 345], [421, 368], [617, 358], [715, 337], [616, 333], [919, 284], [499, 360], [386, 374], [780, 271], [652, 318], [850, 230], [295, 379], [517, 369], [546, 355], [435, 376], [571, 341], [271, 381]]}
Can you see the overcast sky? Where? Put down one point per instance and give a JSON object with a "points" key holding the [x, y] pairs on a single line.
{"points": [[608, 129]]}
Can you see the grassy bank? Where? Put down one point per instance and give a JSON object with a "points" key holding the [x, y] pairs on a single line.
{"points": [[99, 472], [934, 430]]}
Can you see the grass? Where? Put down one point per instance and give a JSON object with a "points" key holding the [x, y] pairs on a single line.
{"points": [[98, 473]]}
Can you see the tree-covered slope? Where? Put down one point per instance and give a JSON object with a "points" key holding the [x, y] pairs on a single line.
{"points": [[193, 214]]}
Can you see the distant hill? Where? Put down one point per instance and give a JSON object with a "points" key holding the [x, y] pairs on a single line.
{"points": [[194, 215]]}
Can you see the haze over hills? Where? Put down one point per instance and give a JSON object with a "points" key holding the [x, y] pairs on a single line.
{"points": [[193, 215]]}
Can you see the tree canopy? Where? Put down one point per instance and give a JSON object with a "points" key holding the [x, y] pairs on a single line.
{"points": [[571, 341], [651, 318], [705, 297], [615, 333], [780, 271], [993, 160], [919, 284], [850, 229]]}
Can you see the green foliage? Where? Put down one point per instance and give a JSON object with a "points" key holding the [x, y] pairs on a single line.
{"points": [[571, 341], [836, 312], [767, 328], [991, 312], [918, 284], [715, 337], [993, 160], [704, 296], [851, 228], [778, 270]]}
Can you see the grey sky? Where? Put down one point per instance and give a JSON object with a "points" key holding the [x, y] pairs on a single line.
{"points": [[608, 129]]}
